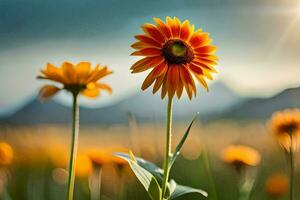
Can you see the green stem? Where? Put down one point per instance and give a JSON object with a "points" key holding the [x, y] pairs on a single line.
{"points": [[73, 150], [168, 148], [292, 170]]}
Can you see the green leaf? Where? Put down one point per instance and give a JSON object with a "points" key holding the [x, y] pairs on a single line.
{"points": [[149, 166], [180, 144], [154, 190], [181, 190], [148, 180]]}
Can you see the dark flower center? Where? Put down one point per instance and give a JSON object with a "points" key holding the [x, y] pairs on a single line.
{"points": [[288, 128], [75, 88], [177, 51]]}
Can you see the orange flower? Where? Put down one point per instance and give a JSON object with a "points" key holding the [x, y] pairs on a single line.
{"points": [[239, 155], [99, 157], [277, 185], [285, 126], [76, 79], [119, 162], [6, 154], [177, 54], [83, 166]]}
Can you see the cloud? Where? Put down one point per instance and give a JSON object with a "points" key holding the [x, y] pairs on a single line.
{"points": [[36, 32]]}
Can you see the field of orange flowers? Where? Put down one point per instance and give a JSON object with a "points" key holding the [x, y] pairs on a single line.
{"points": [[223, 160], [38, 169]]}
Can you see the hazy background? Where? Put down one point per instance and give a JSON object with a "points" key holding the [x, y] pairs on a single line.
{"points": [[259, 74], [258, 42]]}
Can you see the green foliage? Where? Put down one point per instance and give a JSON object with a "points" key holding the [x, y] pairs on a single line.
{"points": [[154, 190], [156, 171], [148, 180], [151, 175], [181, 190]]}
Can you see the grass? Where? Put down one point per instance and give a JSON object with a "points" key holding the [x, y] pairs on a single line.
{"points": [[41, 149]]}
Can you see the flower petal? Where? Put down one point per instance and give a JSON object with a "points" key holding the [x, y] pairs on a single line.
{"points": [[188, 81], [48, 91], [69, 73], [175, 77], [153, 62], [164, 89], [172, 80], [83, 70], [174, 25], [199, 39], [141, 62], [202, 81], [142, 45], [53, 73], [91, 93], [153, 32], [159, 81], [203, 65], [164, 29], [206, 50], [148, 40], [147, 52], [195, 68], [148, 81], [206, 56], [98, 74], [206, 61], [160, 69], [207, 74], [179, 88], [104, 86], [186, 30]]}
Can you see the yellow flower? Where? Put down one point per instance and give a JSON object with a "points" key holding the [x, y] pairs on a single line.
{"points": [[285, 126], [99, 157], [277, 185], [58, 158], [119, 162], [177, 54], [6, 154], [83, 166], [239, 155], [79, 78]]}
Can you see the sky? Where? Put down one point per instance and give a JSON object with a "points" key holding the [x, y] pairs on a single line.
{"points": [[258, 42]]}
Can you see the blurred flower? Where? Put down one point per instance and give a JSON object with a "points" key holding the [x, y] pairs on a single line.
{"points": [[60, 176], [99, 157], [277, 185], [176, 53], [119, 162], [241, 156], [83, 166], [285, 126], [58, 155], [76, 79], [6, 154]]}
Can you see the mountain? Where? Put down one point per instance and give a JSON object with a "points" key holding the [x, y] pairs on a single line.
{"points": [[262, 108], [144, 105]]}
